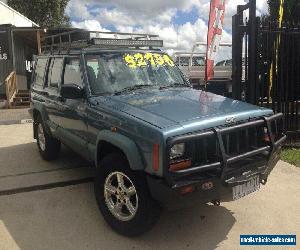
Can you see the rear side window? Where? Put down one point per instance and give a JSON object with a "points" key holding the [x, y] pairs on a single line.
{"points": [[72, 72], [56, 71], [40, 71]]}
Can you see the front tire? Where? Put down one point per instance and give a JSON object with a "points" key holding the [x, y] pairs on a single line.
{"points": [[123, 197], [48, 146]]}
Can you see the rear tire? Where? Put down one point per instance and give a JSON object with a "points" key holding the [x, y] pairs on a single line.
{"points": [[48, 146], [128, 208]]}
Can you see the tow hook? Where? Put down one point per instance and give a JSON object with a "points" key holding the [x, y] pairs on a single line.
{"points": [[264, 181], [216, 202]]}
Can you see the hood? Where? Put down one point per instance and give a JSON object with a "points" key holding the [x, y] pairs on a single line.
{"points": [[181, 106]]}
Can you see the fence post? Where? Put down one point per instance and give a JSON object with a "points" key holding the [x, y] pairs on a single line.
{"points": [[252, 80], [237, 50]]}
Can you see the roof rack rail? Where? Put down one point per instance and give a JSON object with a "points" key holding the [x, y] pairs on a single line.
{"points": [[80, 39]]}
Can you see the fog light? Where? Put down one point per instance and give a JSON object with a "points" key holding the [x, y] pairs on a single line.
{"points": [[207, 185], [187, 190]]}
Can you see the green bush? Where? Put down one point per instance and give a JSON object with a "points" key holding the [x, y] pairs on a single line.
{"points": [[292, 156]]}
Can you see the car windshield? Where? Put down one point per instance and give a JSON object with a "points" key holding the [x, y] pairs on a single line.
{"points": [[114, 72]]}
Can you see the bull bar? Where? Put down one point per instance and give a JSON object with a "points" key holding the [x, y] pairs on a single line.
{"points": [[269, 150]]}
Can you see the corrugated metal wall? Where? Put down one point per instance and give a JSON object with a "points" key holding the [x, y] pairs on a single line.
{"points": [[6, 66], [19, 51]]}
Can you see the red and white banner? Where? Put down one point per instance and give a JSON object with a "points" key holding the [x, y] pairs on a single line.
{"points": [[214, 34]]}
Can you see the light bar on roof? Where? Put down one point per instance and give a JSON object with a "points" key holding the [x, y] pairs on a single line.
{"points": [[127, 42]]}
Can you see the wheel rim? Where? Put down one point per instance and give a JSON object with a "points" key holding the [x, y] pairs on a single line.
{"points": [[120, 196], [41, 137]]}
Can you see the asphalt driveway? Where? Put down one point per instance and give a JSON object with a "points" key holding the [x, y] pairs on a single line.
{"points": [[68, 218]]}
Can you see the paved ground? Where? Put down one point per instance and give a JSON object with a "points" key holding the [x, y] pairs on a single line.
{"points": [[24, 168], [68, 218], [14, 116]]}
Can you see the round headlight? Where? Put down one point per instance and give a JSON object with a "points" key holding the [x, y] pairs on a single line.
{"points": [[177, 150]]}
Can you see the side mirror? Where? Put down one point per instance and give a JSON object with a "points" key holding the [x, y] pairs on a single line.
{"points": [[71, 91]]}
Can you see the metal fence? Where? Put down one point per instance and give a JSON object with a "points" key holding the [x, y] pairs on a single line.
{"points": [[279, 72], [266, 66]]}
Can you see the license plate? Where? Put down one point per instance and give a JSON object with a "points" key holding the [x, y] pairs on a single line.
{"points": [[247, 188]]}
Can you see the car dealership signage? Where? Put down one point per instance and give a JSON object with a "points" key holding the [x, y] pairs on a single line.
{"points": [[4, 48]]}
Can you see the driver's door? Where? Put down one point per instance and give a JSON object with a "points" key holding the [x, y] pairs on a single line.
{"points": [[73, 118]]}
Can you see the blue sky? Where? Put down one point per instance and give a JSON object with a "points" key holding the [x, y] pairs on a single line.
{"points": [[180, 23], [183, 17]]}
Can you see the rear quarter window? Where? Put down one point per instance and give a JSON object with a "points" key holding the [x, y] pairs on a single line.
{"points": [[56, 72], [40, 71]]}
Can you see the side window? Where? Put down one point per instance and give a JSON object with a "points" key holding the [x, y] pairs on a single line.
{"points": [[72, 73], [40, 71], [48, 71], [56, 71]]}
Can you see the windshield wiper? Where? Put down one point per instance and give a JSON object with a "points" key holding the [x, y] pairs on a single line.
{"points": [[175, 84], [132, 88]]}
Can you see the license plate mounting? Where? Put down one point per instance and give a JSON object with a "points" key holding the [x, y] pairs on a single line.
{"points": [[249, 187]]}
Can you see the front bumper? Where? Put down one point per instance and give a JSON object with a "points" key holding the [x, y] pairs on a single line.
{"points": [[167, 191], [172, 198]]}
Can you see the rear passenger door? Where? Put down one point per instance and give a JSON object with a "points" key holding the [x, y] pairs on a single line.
{"points": [[38, 80], [52, 86]]}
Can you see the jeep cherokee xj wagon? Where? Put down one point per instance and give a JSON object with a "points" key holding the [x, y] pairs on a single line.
{"points": [[123, 105]]}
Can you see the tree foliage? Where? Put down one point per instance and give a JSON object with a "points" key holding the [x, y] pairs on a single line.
{"points": [[46, 13]]}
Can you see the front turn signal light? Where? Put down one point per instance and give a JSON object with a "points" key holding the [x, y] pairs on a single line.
{"points": [[180, 165], [155, 157]]}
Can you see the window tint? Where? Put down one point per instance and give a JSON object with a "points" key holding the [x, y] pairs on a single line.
{"points": [[72, 72], [40, 71], [56, 71]]}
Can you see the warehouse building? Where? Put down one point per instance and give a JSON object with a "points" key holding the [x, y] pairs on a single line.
{"points": [[19, 42]]}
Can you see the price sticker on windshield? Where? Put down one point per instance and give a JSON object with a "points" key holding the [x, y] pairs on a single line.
{"points": [[138, 60]]}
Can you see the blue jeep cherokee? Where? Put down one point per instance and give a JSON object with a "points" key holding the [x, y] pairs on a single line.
{"points": [[123, 105]]}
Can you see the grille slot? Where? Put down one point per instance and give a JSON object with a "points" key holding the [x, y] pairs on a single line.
{"points": [[203, 151], [277, 128], [244, 140]]}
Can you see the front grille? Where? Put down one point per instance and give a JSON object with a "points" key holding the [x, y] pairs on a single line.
{"points": [[207, 150], [203, 151], [244, 140]]}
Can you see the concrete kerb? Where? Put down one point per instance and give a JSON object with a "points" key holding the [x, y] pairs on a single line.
{"points": [[11, 122]]}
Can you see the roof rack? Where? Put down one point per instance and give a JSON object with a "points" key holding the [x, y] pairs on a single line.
{"points": [[80, 39]]}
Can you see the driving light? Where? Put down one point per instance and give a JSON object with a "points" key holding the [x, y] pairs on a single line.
{"points": [[177, 151], [127, 42]]}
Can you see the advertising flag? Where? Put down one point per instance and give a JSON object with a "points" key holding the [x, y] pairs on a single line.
{"points": [[214, 34]]}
